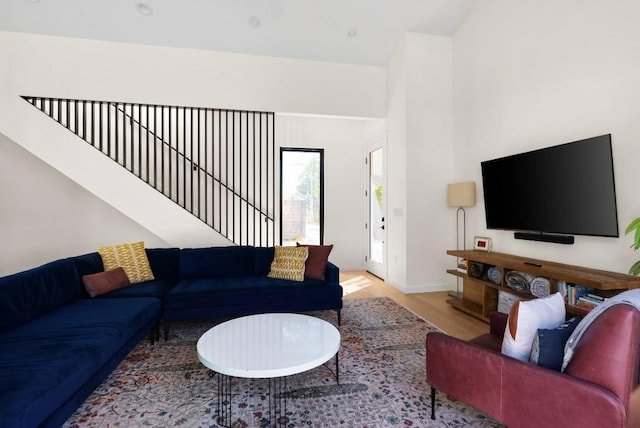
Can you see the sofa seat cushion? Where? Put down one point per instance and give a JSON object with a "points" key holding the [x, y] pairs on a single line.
{"points": [[211, 298], [215, 291], [156, 288], [50, 358]]}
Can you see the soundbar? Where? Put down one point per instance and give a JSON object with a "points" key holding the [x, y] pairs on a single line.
{"points": [[544, 237]]}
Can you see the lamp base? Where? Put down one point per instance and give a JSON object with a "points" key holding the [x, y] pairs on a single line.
{"points": [[455, 294]]}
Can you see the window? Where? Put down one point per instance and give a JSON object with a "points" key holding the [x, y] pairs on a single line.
{"points": [[301, 196]]}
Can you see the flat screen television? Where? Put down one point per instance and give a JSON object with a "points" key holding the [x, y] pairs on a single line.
{"points": [[553, 193]]}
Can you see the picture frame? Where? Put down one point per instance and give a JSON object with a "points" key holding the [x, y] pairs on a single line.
{"points": [[482, 243]]}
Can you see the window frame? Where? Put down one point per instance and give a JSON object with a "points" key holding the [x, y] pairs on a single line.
{"points": [[320, 152]]}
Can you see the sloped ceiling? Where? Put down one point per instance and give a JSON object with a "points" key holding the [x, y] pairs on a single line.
{"points": [[346, 31]]}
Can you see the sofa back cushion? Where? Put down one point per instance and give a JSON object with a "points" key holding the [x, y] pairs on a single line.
{"points": [[263, 258], [29, 294], [164, 262], [217, 262], [88, 264]]}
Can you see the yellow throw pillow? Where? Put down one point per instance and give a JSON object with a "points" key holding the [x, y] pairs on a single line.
{"points": [[130, 257], [288, 263]]}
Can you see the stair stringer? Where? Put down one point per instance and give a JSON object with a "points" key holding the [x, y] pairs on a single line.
{"points": [[100, 175]]}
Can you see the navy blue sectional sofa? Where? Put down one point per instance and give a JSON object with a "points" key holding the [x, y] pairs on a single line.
{"points": [[57, 344]]}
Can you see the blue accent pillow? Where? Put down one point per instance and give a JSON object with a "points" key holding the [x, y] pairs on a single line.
{"points": [[547, 349]]}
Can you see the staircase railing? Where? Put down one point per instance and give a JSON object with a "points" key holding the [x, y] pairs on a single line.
{"points": [[217, 164]]}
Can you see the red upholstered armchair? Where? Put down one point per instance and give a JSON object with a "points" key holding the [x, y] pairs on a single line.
{"points": [[593, 391]]}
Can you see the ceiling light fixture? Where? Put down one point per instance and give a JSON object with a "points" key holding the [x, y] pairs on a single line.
{"points": [[144, 9], [33, 1], [352, 33], [254, 22]]}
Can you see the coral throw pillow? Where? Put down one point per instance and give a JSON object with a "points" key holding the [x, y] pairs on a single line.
{"points": [[130, 257], [103, 282], [317, 261], [525, 318], [288, 263]]}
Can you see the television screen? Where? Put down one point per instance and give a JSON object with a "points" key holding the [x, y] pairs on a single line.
{"points": [[566, 189]]}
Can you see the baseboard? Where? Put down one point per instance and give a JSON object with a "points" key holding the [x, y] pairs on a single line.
{"points": [[426, 288]]}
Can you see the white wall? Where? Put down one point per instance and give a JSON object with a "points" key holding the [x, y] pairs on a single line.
{"points": [[342, 141], [420, 119], [89, 69], [44, 215], [396, 224], [86, 69], [534, 73]]}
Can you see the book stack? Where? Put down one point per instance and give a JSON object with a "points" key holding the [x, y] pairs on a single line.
{"points": [[582, 296], [462, 266], [590, 301]]}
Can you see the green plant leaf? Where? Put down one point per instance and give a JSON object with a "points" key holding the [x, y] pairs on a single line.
{"points": [[635, 269], [635, 224]]}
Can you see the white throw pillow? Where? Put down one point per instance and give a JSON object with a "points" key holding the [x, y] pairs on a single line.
{"points": [[525, 318]]}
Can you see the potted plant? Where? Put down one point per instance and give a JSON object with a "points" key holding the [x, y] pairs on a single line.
{"points": [[634, 225]]}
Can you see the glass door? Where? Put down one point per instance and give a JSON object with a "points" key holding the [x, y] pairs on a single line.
{"points": [[376, 210]]}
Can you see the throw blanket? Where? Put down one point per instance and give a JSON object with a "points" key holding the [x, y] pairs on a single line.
{"points": [[540, 286], [495, 274], [629, 297], [476, 269], [519, 281]]}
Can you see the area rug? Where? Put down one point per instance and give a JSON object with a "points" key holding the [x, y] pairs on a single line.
{"points": [[382, 381]]}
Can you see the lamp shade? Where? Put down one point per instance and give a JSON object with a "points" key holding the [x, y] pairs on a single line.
{"points": [[461, 194]]}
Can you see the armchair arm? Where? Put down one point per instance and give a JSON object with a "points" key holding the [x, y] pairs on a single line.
{"points": [[498, 323], [332, 273], [465, 371]]}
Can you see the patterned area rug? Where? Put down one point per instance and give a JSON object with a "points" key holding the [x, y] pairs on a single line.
{"points": [[382, 381]]}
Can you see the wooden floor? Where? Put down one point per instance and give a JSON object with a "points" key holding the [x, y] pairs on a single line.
{"points": [[431, 306]]}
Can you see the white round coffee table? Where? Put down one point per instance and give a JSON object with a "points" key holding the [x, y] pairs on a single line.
{"points": [[271, 346]]}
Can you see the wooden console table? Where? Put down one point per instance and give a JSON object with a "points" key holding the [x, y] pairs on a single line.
{"points": [[480, 296]]}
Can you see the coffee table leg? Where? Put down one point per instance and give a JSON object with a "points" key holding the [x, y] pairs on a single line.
{"points": [[224, 400], [337, 370], [278, 401]]}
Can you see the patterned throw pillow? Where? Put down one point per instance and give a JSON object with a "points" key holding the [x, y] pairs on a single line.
{"points": [[288, 263], [130, 257]]}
